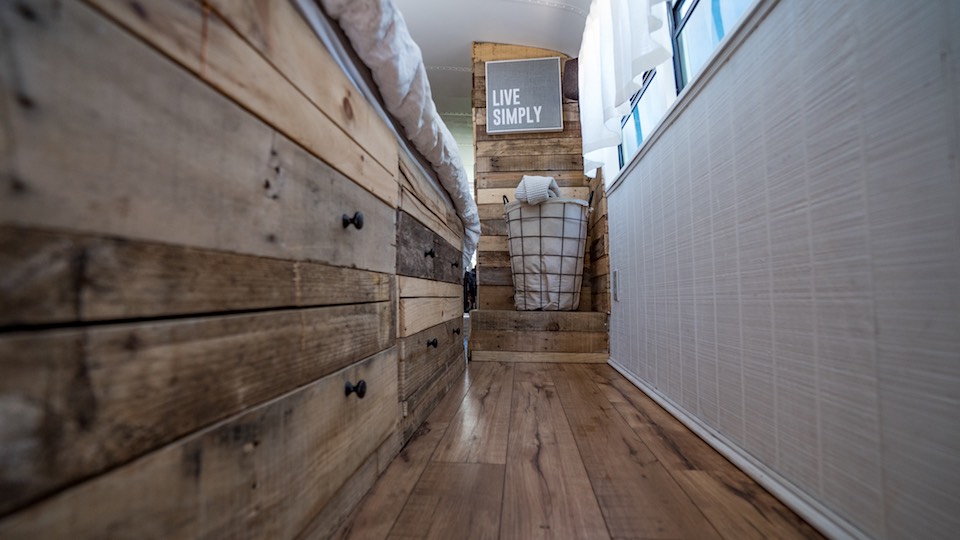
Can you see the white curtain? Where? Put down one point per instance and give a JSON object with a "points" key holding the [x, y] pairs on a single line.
{"points": [[616, 50]]}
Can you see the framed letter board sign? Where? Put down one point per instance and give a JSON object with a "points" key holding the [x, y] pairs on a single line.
{"points": [[524, 95]]}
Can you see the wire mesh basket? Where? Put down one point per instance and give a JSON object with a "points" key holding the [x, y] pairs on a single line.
{"points": [[546, 243]]}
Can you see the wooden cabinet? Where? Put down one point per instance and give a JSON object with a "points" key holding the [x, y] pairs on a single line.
{"points": [[183, 303]]}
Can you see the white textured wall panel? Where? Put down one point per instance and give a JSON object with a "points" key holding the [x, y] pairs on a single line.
{"points": [[788, 249]]}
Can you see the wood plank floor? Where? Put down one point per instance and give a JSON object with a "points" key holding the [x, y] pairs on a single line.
{"points": [[519, 451]]}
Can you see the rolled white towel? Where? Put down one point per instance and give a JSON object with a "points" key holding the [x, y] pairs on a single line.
{"points": [[536, 189]]}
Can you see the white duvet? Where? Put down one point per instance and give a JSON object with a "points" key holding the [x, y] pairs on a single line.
{"points": [[379, 36]]}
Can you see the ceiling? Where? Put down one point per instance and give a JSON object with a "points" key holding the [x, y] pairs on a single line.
{"points": [[446, 29]]}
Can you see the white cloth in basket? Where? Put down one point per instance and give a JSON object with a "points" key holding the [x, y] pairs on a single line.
{"points": [[536, 189]]}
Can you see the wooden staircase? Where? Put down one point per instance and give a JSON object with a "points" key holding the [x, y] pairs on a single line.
{"points": [[538, 336]]}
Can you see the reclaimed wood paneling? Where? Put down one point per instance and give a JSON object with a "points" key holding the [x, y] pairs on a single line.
{"points": [[52, 277], [422, 402], [203, 42], [494, 196], [424, 254], [540, 357], [418, 314], [265, 472], [174, 161], [501, 180], [522, 163], [541, 321], [279, 33], [112, 393], [420, 359]]}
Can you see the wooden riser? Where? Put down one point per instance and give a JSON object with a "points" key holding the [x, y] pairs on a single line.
{"points": [[538, 336]]}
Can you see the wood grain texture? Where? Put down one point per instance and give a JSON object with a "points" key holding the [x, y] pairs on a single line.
{"points": [[539, 357], [530, 147], [419, 359], [411, 287], [486, 51], [263, 473], [637, 495], [205, 174], [501, 180], [539, 341], [547, 493], [494, 196], [413, 206], [426, 192], [221, 57], [424, 254], [418, 314], [421, 403], [553, 321], [478, 433], [493, 243], [733, 502], [499, 297], [571, 129], [374, 518], [494, 227], [493, 259], [522, 163], [453, 500], [90, 399], [335, 513], [492, 211], [279, 33], [52, 277], [495, 276]]}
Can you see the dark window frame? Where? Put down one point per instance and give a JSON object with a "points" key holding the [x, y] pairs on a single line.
{"points": [[634, 100]]}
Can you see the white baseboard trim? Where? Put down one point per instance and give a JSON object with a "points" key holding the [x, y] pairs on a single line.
{"points": [[814, 512]]}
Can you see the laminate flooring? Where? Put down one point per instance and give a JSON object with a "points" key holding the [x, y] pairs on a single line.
{"points": [[523, 451]]}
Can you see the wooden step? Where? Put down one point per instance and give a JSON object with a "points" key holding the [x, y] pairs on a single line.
{"points": [[538, 336]]}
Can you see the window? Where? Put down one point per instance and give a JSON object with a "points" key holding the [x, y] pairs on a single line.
{"points": [[698, 27]]}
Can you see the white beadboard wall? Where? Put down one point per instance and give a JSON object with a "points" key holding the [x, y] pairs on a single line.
{"points": [[788, 253]]}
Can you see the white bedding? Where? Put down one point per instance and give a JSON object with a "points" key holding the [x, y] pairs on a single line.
{"points": [[379, 36]]}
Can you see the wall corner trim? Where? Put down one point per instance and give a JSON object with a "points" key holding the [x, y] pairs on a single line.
{"points": [[813, 511]]}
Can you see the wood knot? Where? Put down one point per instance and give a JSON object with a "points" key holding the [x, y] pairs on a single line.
{"points": [[26, 101], [138, 8], [27, 12], [347, 108], [17, 185]]}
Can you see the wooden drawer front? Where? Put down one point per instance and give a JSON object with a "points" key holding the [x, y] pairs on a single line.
{"points": [[414, 244], [54, 277], [421, 357], [421, 402], [112, 393], [146, 150], [262, 474]]}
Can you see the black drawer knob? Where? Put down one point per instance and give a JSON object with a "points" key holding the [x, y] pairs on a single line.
{"points": [[433, 343], [356, 220], [456, 331], [455, 264], [360, 388], [432, 253]]}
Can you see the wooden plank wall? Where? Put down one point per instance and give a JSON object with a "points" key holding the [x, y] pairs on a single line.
{"points": [[598, 247], [502, 159], [181, 303]]}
